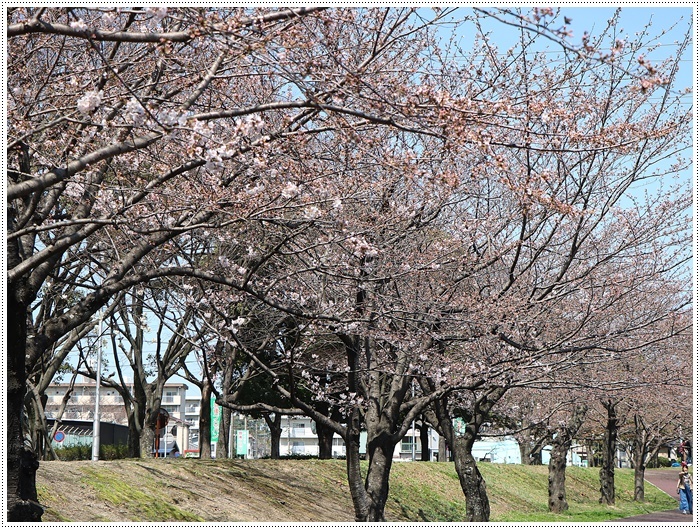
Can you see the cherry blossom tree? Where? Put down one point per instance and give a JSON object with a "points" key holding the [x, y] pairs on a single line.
{"points": [[661, 407], [423, 215], [117, 117], [558, 293], [633, 407], [150, 364]]}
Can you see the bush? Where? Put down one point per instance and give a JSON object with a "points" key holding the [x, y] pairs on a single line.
{"points": [[111, 452], [74, 453], [84, 452], [659, 462]]}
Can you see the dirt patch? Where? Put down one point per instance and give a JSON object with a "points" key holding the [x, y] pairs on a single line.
{"points": [[193, 490]]}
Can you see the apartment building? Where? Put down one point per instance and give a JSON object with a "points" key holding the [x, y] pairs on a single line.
{"points": [[81, 406], [299, 438], [192, 407]]}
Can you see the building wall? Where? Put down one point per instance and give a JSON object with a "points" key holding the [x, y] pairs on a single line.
{"points": [[299, 438], [82, 401], [81, 406]]}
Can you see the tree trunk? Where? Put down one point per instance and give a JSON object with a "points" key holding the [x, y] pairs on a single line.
{"points": [[325, 441], [133, 440], [380, 451], [557, 477], [34, 407], [424, 441], [536, 457], [561, 443], [147, 438], [22, 505], [473, 486], [524, 448], [607, 469], [639, 455], [147, 435], [275, 426], [135, 408], [205, 422], [442, 450], [639, 482], [360, 500], [476, 501], [222, 443], [530, 451]]}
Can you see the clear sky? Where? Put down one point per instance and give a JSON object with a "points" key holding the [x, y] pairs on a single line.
{"points": [[674, 21]]}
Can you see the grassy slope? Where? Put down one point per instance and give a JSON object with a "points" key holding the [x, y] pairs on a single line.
{"points": [[306, 491]]}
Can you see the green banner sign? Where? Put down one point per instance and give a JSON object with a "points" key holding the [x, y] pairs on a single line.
{"points": [[242, 443], [215, 420]]}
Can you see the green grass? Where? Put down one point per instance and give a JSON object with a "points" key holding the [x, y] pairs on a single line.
{"points": [[519, 494], [147, 504], [425, 492], [47, 497], [151, 491], [430, 492]]}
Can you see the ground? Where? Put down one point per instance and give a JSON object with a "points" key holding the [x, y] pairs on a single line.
{"points": [[191, 490], [313, 491]]}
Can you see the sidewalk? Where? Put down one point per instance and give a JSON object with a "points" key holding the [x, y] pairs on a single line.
{"points": [[664, 479]]}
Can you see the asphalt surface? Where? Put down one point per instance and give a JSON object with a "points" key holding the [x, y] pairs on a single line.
{"points": [[664, 479]]}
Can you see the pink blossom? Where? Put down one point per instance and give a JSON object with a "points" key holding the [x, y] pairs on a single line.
{"points": [[89, 102]]}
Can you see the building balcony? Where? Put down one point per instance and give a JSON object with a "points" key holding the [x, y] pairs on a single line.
{"points": [[85, 400], [301, 433]]}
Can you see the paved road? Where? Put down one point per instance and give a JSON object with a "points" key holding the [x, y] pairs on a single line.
{"points": [[665, 479]]}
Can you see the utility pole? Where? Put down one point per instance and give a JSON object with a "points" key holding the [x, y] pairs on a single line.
{"points": [[231, 437], [413, 427], [96, 421]]}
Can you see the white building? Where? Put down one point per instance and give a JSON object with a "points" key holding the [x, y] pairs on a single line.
{"points": [[192, 407], [299, 438], [81, 406]]}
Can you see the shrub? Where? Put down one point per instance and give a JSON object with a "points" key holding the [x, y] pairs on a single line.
{"points": [[659, 462], [111, 452], [663, 461], [74, 453], [84, 452]]}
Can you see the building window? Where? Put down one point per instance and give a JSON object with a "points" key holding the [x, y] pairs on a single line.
{"points": [[407, 444]]}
